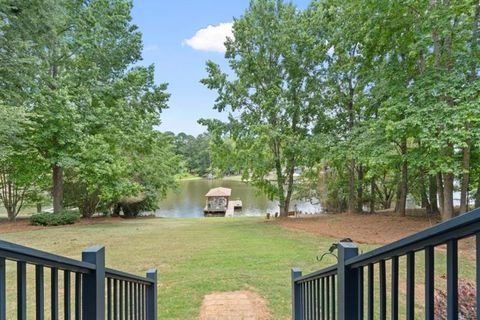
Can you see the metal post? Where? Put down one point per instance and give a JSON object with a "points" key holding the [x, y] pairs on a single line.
{"points": [[347, 282], [297, 310], [93, 285], [152, 295]]}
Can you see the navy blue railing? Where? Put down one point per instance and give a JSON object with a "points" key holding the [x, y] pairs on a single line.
{"points": [[89, 290], [347, 290]]}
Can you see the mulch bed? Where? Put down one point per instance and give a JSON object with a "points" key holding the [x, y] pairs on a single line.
{"points": [[378, 229]]}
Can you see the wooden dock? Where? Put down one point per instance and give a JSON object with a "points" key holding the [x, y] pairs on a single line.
{"points": [[232, 204]]}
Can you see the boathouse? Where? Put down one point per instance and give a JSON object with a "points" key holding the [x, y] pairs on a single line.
{"points": [[217, 200]]}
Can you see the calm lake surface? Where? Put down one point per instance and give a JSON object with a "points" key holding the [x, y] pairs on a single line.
{"points": [[189, 200]]}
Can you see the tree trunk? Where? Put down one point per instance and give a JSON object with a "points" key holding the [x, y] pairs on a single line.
{"points": [[448, 211], [432, 192], [57, 191], [360, 189], [288, 197], [440, 192], [402, 203], [116, 210], [423, 192], [465, 178], [477, 195], [89, 205], [372, 196], [39, 207], [280, 180], [351, 188], [398, 195]]}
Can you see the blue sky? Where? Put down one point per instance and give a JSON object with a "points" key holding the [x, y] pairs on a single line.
{"points": [[178, 47]]}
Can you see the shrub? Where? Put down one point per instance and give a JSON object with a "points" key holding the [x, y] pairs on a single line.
{"points": [[55, 219], [466, 302]]}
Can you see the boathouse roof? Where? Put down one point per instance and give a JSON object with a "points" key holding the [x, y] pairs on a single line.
{"points": [[219, 192]]}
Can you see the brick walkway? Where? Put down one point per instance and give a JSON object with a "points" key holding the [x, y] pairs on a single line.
{"points": [[237, 305]]}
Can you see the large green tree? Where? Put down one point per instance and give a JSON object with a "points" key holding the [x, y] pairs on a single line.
{"points": [[92, 44], [272, 98]]}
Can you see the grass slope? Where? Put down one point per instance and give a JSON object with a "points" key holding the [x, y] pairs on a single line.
{"points": [[194, 256]]}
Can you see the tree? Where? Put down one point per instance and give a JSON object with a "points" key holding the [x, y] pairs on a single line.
{"points": [[24, 28], [273, 95], [91, 45]]}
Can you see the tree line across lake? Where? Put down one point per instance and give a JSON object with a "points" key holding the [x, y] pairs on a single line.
{"points": [[356, 103]]}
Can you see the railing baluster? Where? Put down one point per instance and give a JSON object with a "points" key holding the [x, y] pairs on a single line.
{"points": [[371, 293], [3, 290], [323, 298], [126, 301], [67, 306], [360, 293], [319, 300], [334, 309], [314, 302], [429, 283], [39, 293], [452, 280], [21, 290], [115, 299], [54, 293], [410, 286], [131, 299], [304, 300], [137, 303], [383, 291], [78, 296], [121, 300], [109, 299], [327, 283], [394, 292], [142, 301], [310, 293], [306, 297]]}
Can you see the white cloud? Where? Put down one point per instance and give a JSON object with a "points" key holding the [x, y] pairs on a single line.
{"points": [[211, 38]]}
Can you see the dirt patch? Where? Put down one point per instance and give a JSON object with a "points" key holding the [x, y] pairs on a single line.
{"points": [[23, 224], [361, 228], [236, 305]]}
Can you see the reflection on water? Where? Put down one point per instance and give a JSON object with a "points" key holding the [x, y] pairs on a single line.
{"points": [[189, 199]]}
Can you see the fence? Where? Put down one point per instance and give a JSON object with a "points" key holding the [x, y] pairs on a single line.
{"points": [[338, 292], [97, 292]]}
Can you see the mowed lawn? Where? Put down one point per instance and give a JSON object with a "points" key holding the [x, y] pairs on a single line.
{"points": [[194, 257]]}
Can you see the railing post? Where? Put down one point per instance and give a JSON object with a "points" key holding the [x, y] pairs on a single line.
{"points": [[347, 284], [296, 295], [93, 284], [152, 295]]}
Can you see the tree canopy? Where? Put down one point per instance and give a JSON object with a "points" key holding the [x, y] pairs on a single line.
{"points": [[75, 105], [377, 101]]}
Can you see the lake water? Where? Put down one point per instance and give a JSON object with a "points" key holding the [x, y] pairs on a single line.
{"points": [[189, 199]]}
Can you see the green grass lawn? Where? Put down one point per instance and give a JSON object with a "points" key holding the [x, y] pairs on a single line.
{"points": [[195, 257]]}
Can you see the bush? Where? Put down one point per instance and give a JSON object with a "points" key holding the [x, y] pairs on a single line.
{"points": [[55, 219], [466, 302]]}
